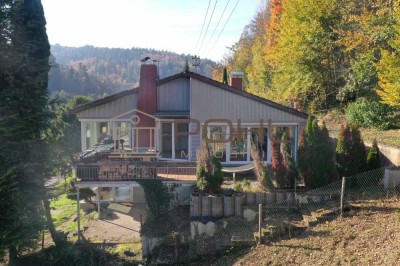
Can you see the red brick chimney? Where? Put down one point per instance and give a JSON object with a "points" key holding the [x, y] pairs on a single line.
{"points": [[236, 80], [147, 100]]}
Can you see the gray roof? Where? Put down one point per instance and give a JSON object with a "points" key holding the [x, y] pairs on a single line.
{"points": [[201, 78]]}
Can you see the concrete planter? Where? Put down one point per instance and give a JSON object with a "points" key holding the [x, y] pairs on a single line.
{"points": [[280, 196], [229, 205], [205, 205], [391, 178], [239, 202], [290, 197], [217, 205], [260, 198], [250, 198], [270, 197], [195, 205]]}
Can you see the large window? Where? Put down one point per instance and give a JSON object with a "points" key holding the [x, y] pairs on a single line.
{"points": [[169, 147], [260, 140], [181, 145], [217, 134], [277, 133], [166, 140], [238, 145]]}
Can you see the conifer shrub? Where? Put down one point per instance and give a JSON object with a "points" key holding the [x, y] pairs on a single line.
{"points": [[350, 153], [373, 159], [278, 166], [291, 172], [374, 162], [316, 156], [208, 170]]}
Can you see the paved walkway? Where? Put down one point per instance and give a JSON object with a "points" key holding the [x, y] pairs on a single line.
{"points": [[119, 223]]}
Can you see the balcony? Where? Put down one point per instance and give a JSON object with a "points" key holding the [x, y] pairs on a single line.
{"points": [[128, 170]]}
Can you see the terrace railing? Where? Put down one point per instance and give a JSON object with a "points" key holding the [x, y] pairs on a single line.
{"points": [[134, 171]]}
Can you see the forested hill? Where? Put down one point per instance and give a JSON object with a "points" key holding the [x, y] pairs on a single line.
{"points": [[96, 72], [321, 54]]}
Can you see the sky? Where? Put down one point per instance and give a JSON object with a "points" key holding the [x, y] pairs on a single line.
{"points": [[171, 25]]}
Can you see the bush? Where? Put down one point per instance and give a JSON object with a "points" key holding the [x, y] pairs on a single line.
{"points": [[372, 114]]}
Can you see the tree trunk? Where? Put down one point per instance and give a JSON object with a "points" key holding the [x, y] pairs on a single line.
{"points": [[50, 225], [12, 256]]}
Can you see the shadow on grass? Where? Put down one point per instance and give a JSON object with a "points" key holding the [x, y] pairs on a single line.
{"points": [[80, 253]]}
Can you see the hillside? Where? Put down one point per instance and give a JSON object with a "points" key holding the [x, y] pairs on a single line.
{"points": [[95, 71], [368, 236]]}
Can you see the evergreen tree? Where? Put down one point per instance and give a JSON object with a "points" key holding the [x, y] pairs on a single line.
{"points": [[225, 77], [278, 166], [24, 116], [186, 68], [305, 154], [359, 156], [316, 156], [350, 152], [373, 160], [325, 158], [291, 172], [343, 151]]}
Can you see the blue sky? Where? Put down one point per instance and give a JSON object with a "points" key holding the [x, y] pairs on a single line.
{"points": [[172, 25]]}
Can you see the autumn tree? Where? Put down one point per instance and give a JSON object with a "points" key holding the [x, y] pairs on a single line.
{"points": [[305, 58]]}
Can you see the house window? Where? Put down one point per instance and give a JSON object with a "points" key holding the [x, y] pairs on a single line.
{"points": [[123, 194], [166, 140], [217, 133], [260, 140], [169, 147], [121, 131], [238, 145], [278, 131], [181, 146]]}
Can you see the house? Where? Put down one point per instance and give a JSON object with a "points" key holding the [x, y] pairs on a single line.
{"points": [[168, 118]]}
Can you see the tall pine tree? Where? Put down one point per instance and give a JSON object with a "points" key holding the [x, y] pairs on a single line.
{"points": [[24, 116]]}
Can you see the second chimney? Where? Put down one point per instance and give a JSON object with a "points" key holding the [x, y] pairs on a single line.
{"points": [[236, 80]]}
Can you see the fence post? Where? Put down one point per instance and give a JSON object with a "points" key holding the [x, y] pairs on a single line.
{"points": [[259, 222], [78, 214], [342, 195]]}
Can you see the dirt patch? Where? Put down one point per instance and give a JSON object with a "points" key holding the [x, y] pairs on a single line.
{"points": [[369, 236]]}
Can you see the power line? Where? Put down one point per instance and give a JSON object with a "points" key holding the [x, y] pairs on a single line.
{"points": [[224, 26], [216, 27], [201, 45], [202, 27]]}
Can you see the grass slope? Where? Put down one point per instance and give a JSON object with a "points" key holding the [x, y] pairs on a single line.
{"points": [[384, 137]]}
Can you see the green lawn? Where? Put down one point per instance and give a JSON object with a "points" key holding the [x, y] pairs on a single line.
{"points": [[384, 137]]}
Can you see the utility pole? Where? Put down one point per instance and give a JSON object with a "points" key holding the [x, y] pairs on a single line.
{"points": [[196, 62]]}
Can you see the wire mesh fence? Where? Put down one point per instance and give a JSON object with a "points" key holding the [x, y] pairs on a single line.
{"points": [[310, 208], [184, 238]]}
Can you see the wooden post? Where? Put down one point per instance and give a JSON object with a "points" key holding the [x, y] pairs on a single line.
{"points": [[342, 195], [259, 222], [98, 201], [79, 215]]}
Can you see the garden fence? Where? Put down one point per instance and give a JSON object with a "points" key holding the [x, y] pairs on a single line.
{"points": [[324, 204]]}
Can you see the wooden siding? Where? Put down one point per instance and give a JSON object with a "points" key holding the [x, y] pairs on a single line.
{"points": [[110, 109], [209, 102], [174, 95]]}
